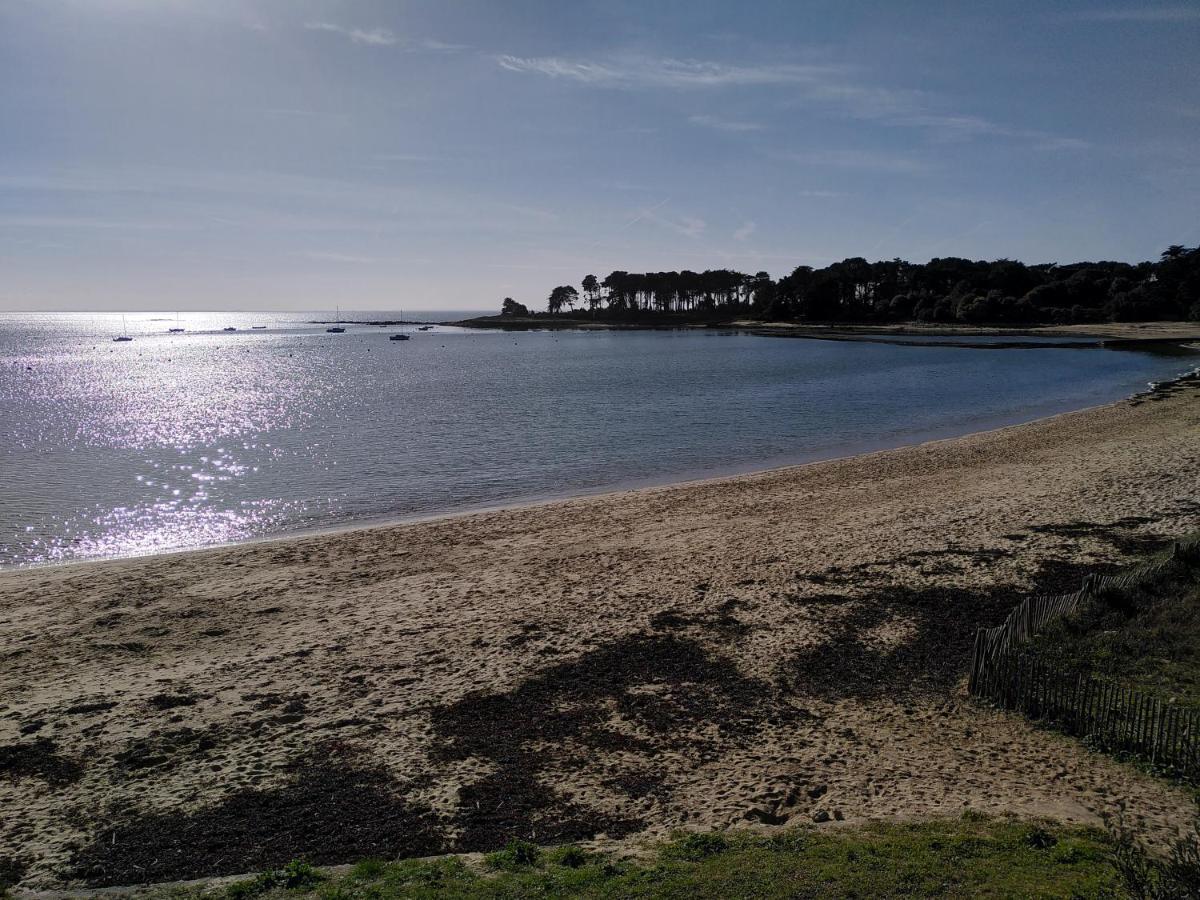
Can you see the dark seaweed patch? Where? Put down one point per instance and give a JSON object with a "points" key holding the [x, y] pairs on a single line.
{"points": [[636, 784], [164, 749], [12, 870], [85, 709], [665, 689], [39, 759], [328, 812], [164, 702]]}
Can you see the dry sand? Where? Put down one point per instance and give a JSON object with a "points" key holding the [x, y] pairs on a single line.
{"points": [[751, 650]]}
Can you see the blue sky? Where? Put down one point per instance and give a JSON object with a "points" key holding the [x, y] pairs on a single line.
{"points": [[297, 154]]}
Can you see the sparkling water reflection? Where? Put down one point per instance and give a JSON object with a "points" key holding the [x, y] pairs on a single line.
{"points": [[208, 436]]}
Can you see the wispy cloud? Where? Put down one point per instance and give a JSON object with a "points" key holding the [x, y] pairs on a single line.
{"points": [[837, 87], [383, 37], [1050, 142], [443, 46], [865, 160], [743, 233], [665, 73], [719, 124], [376, 37], [1151, 15], [688, 226], [963, 128]]}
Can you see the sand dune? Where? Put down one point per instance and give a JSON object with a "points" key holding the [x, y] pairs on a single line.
{"points": [[752, 650]]}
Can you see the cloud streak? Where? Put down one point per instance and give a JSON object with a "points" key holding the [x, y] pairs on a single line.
{"points": [[837, 87], [719, 124], [374, 37], [863, 160], [666, 73], [384, 37]]}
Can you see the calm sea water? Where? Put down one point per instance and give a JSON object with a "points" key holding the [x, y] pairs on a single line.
{"points": [[177, 441]]}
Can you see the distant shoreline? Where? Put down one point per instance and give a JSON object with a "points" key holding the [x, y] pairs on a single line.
{"points": [[1106, 334]]}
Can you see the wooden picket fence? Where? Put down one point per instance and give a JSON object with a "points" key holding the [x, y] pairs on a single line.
{"points": [[1114, 717]]}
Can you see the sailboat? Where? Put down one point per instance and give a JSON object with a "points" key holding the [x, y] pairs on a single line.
{"points": [[401, 336], [124, 335], [337, 329], [177, 329]]}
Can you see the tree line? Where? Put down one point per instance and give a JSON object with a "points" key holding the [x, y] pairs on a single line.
{"points": [[948, 290]]}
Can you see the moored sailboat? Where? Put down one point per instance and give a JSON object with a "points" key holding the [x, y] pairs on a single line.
{"points": [[337, 327]]}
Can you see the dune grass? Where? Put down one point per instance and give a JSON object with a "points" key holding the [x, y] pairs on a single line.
{"points": [[969, 857], [1145, 637]]}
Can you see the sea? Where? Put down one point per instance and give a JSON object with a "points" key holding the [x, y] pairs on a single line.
{"points": [[174, 441]]}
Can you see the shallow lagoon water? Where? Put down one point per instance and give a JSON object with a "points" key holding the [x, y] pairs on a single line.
{"points": [[177, 441]]}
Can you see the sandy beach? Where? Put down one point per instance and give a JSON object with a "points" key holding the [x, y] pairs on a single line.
{"points": [[756, 650]]}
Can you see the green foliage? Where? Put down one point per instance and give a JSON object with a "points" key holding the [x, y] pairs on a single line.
{"points": [[1146, 876], [1146, 637], [368, 869], [516, 855], [968, 857], [570, 856], [296, 875], [697, 846], [1039, 838]]}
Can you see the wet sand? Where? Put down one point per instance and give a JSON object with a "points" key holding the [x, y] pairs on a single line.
{"points": [[755, 650]]}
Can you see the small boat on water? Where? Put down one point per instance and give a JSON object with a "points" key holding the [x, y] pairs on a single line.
{"points": [[399, 337], [229, 328], [337, 328], [258, 327], [124, 335], [425, 328], [178, 329]]}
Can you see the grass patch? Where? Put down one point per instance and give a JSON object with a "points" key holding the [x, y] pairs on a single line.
{"points": [[1145, 637], [968, 857], [297, 875], [516, 855]]}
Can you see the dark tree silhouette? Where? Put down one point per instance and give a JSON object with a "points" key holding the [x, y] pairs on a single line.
{"points": [[947, 289], [563, 295], [591, 292]]}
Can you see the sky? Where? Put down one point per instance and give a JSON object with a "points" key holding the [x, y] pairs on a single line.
{"points": [[307, 154]]}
